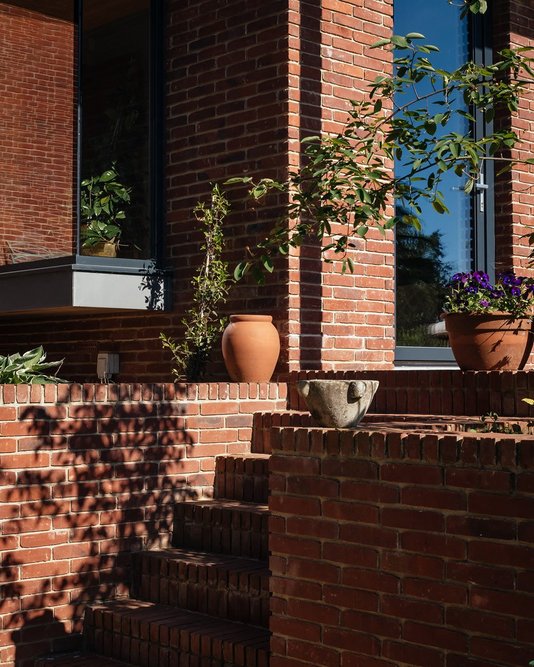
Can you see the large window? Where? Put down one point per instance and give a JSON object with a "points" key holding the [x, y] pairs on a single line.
{"points": [[79, 148], [116, 116], [79, 154], [461, 240]]}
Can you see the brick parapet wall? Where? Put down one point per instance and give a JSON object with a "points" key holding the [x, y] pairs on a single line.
{"points": [[401, 549], [91, 473], [437, 392]]}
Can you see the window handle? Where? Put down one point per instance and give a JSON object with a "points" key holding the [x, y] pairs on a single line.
{"points": [[481, 186]]}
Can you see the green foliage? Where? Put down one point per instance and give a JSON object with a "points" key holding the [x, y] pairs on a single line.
{"points": [[490, 423], [346, 179], [202, 322], [473, 293], [28, 368], [102, 202], [473, 6], [421, 280]]}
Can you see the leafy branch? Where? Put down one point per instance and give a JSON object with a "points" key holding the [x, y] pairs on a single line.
{"points": [[346, 182]]}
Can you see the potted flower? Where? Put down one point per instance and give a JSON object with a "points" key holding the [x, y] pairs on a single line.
{"points": [[489, 326], [102, 202]]}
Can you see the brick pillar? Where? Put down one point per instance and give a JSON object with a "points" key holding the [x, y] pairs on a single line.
{"points": [[514, 192], [337, 321]]}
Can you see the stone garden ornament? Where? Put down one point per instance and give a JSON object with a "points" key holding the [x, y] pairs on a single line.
{"points": [[338, 403]]}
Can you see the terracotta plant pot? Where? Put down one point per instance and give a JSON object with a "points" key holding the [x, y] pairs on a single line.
{"points": [[493, 342], [250, 346]]}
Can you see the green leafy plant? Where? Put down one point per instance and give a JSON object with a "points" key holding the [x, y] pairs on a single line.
{"points": [[490, 423], [346, 184], [203, 323], [473, 6], [103, 200], [28, 368]]}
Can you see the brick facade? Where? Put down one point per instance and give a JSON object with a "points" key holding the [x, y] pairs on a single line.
{"points": [[92, 473], [392, 549], [245, 84]]}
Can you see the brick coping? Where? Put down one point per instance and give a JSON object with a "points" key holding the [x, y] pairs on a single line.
{"points": [[130, 392], [493, 450]]}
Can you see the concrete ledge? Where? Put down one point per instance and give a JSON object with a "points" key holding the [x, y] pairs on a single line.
{"points": [[68, 284]]}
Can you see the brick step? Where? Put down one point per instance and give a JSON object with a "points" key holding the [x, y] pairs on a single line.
{"points": [[263, 422], [155, 635], [79, 660], [242, 477], [224, 586], [222, 526]]}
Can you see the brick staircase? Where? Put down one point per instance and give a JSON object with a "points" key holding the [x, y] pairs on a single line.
{"points": [[204, 602]]}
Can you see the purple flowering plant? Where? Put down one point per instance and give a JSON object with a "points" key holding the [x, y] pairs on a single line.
{"points": [[473, 293]]}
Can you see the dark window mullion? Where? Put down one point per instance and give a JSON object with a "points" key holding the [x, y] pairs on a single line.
{"points": [[483, 205], [156, 127], [78, 22]]}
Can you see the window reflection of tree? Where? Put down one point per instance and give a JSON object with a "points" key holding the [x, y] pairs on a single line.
{"points": [[422, 276]]}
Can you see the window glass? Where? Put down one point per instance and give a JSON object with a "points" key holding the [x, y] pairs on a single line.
{"points": [[115, 191], [37, 130], [426, 260]]}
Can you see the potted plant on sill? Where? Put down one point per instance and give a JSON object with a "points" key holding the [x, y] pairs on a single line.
{"points": [[103, 199], [489, 326]]}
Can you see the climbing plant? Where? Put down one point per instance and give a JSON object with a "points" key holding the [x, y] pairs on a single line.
{"points": [[203, 323]]}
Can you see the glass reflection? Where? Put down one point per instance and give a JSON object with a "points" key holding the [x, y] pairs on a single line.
{"points": [[426, 260]]}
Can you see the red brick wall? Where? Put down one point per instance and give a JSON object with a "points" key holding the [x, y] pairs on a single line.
{"points": [[514, 27], [245, 83], [337, 321], [226, 116], [90, 473], [37, 138], [401, 549]]}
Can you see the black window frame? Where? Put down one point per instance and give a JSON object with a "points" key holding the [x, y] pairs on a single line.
{"points": [[482, 198]]}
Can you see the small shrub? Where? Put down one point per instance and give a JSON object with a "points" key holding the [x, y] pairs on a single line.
{"points": [[28, 368]]}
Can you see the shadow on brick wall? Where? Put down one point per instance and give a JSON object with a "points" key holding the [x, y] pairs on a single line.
{"points": [[84, 487]]}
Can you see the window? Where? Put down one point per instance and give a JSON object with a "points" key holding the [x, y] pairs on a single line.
{"points": [[116, 121], [461, 240], [80, 154]]}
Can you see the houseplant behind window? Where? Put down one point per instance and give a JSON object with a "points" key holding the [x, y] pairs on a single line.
{"points": [[103, 200]]}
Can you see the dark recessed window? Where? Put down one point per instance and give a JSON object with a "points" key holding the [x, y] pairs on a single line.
{"points": [[116, 185]]}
